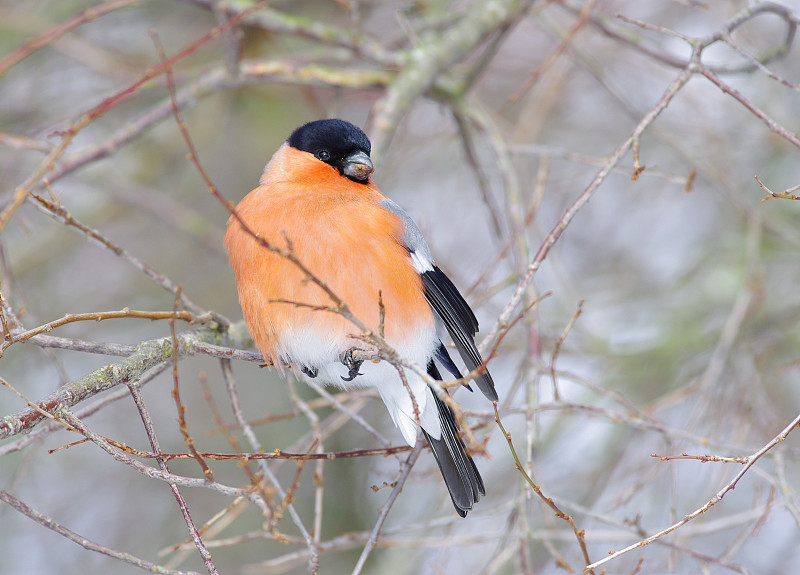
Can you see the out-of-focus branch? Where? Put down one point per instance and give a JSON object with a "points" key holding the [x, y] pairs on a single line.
{"points": [[750, 461], [87, 544], [562, 224], [275, 21], [424, 63], [605, 25], [251, 72], [39, 177], [693, 67], [442, 55], [58, 31]]}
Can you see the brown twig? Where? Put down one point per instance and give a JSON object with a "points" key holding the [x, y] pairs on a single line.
{"points": [[579, 533], [17, 336], [60, 213], [557, 347], [278, 454], [176, 394], [787, 194], [702, 458], [774, 126]]}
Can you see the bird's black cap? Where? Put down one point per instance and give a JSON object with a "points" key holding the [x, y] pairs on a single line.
{"points": [[334, 142]]}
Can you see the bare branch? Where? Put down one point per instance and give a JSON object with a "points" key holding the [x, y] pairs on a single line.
{"points": [[148, 355]]}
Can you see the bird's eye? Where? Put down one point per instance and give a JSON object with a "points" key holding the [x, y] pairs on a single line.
{"points": [[324, 155]]}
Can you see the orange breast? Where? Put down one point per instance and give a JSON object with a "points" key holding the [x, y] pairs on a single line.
{"points": [[338, 230]]}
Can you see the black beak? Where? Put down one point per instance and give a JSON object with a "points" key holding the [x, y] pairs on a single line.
{"points": [[358, 166]]}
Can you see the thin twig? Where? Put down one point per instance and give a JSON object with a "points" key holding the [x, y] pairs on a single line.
{"points": [[17, 336], [557, 347], [384, 510], [787, 194], [60, 213], [154, 444], [255, 444], [579, 533]]}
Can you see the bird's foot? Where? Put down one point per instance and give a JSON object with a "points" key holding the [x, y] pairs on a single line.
{"points": [[309, 371], [351, 364]]}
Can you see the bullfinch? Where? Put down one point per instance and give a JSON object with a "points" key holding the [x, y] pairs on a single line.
{"points": [[317, 198]]}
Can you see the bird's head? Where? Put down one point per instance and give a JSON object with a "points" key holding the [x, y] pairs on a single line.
{"points": [[337, 143]]}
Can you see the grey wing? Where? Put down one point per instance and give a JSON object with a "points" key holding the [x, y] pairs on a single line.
{"points": [[445, 300]]}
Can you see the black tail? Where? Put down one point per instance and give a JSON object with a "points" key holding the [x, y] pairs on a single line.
{"points": [[459, 471]]}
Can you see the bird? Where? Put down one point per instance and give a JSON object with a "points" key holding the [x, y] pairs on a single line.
{"points": [[317, 200]]}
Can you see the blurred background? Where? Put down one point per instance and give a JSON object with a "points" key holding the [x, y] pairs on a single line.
{"points": [[489, 121]]}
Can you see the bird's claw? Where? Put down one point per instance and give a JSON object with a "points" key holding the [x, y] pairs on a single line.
{"points": [[351, 364], [309, 371]]}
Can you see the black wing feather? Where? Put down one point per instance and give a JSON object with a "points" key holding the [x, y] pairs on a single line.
{"points": [[445, 359], [460, 322], [458, 469]]}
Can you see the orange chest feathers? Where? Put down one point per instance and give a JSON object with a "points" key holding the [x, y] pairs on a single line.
{"points": [[346, 239]]}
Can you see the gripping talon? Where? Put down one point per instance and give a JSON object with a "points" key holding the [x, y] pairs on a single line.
{"points": [[309, 371], [351, 364]]}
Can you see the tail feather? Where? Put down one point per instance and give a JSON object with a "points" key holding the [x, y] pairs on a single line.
{"points": [[459, 471]]}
